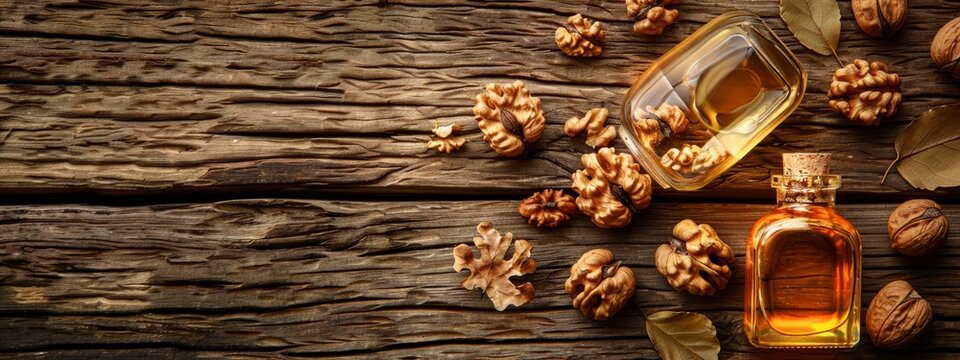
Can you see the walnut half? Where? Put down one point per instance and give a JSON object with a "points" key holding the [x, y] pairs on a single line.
{"points": [[547, 208], [581, 37], [865, 92], [599, 286], [491, 273], [651, 15], [445, 141], [692, 159], [695, 260], [593, 121], [509, 117], [611, 188], [656, 124]]}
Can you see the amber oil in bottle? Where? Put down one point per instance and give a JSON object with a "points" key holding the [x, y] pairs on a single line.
{"points": [[803, 264]]}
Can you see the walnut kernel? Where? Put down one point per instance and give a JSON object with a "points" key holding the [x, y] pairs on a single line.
{"points": [[880, 18], [509, 117], [656, 124], [611, 188], [865, 92], [580, 38], [547, 208], [917, 227], [651, 15], [945, 49], [445, 142], [491, 273], [695, 260], [692, 159], [598, 286], [897, 316], [592, 121]]}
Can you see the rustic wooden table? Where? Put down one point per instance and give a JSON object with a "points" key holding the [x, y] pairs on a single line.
{"points": [[239, 178]]}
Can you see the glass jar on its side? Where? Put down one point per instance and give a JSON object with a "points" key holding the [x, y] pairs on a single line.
{"points": [[708, 101]]}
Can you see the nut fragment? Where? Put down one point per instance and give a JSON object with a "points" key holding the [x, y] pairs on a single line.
{"points": [[654, 125], [692, 159], [865, 92], [445, 142], [593, 121], [580, 37], [897, 316], [945, 49], [880, 18], [651, 16], [509, 117], [917, 227], [491, 273], [695, 260], [611, 188], [598, 286], [548, 208]]}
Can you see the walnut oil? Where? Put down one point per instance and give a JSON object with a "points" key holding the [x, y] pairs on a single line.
{"points": [[733, 79], [803, 264]]}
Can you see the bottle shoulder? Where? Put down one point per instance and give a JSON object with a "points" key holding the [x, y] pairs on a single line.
{"points": [[805, 215]]}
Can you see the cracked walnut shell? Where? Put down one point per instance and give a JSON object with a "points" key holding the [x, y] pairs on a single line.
{"points": [[611, 188], [580, 38], [880, 18], [945, 49], [651, 15], [692, 159], [445, 142], [509, 117], [865, 92], [917, 227], [598, 286], [897, 316], [547, 208], [695, 260], [592, 121], [656, 124], [491, 273]]}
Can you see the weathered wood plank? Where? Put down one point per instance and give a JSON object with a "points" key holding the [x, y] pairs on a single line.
{"points": [[278, 275], [300, 95]]}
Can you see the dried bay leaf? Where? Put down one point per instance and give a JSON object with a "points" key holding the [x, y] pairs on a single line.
{"points": [[683, 335], [928, 150], [815, 23]]}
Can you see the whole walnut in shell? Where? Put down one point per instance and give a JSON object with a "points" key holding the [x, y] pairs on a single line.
{"points": [[598, 286], [945, 49], [611, 188], [897, 316], [865, 92], [695, 260], [548, 208], [509, 117], [917, 227], [580, 37], [880, 18]]}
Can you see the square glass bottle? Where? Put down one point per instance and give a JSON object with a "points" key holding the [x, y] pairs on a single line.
{"points": [[732, 80], [803, 264]]}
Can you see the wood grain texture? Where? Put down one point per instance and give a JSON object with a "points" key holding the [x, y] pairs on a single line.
{"points": [[193, 96], [297, 277]]}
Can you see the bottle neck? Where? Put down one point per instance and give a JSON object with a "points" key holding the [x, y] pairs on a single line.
{"points": [[819, 190]]}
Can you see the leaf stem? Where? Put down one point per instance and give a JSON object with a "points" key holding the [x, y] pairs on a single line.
{"points": [[837, 56], [892, 163]]}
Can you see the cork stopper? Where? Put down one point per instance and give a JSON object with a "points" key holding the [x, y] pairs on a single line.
{"points": [[814, 164]]}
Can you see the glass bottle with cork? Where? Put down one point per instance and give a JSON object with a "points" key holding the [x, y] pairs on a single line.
{"points": [[803, 264]]}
